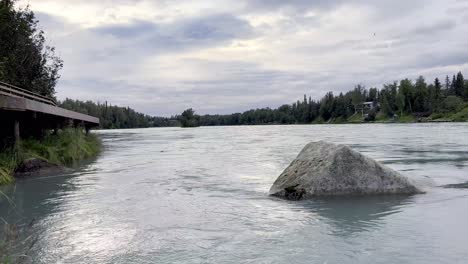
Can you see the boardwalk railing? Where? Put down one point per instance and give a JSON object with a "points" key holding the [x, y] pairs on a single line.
{"points": [[10, 90]]}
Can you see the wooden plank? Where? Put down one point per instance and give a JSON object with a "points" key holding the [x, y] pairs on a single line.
{"points": [[18, 92], [24, 104], [12, 103]]}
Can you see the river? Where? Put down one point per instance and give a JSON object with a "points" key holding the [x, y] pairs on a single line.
{"points": [[172, 195]]}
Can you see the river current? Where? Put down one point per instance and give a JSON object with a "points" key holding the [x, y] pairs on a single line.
{"points": [[172, 195]]}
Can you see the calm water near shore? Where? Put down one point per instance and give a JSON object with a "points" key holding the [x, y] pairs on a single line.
{"points": [[171, 195]]}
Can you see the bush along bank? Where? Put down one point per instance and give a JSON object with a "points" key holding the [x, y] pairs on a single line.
{"points": [[66, 148]]}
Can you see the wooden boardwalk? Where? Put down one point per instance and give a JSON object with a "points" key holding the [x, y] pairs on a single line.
{"points": [[26, 113]]}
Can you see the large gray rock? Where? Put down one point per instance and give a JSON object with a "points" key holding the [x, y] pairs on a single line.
{"points": [[325, 169]]}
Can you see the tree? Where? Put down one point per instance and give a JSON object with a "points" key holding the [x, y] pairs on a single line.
{"points": [[341, 107], [372, 95], [189, 119], [420, 95], [115, 116], [452, 86], [386, 107], [466, 90], [388, 97], [406, 89], [25, 60], [447, 86], [459, 85], [401, 103], [327, 106], [357, 96], [437, 95]]}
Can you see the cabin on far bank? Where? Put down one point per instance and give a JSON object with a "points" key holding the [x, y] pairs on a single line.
{"points": [[25, 114], [366, 107]]}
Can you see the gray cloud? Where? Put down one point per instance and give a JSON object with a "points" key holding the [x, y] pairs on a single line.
{"points": [[182, 34], [293, 5], [435, 28], [162, 67]]}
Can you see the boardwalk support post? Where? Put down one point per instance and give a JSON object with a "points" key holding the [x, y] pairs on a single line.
{"points": [[56, 129], [17, 132]]}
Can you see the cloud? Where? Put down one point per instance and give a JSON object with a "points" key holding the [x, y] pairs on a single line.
{"points": [[192, 33], [161, 57], [435, 28]]}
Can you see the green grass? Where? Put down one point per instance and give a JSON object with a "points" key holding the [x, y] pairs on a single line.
{"points": [[356, 118], [8, 163], [406, 119], [381, 118], [67, 148], [461, 116], [339, 120]]}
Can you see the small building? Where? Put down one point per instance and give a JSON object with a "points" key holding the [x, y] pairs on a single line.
{"points": [[366, 107]]}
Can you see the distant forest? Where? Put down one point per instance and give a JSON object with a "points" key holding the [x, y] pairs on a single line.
{"points": [[395, 100], [405, 99], [114, 117]]}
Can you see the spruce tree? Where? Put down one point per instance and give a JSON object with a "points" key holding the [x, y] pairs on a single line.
{"points": [[459, 85], [452, 86], [437, 96]]}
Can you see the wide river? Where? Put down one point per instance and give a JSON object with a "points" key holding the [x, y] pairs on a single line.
{"points": [[172, 195]]}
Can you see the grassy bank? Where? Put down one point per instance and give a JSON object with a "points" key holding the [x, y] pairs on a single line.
{"points": [[67, 148], [450, 116]]}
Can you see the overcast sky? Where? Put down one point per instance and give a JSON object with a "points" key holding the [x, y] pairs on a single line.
{"points": [[161, 57]]}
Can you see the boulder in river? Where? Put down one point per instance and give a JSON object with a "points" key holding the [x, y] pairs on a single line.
{"points": [[326, 169], [37, 167]]}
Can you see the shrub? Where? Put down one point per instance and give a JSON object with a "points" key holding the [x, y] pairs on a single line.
{"points": [[452, 104], [68, 148]]}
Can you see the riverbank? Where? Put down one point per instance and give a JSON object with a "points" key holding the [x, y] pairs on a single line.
{"points": [[67, 148], [455, 116]]}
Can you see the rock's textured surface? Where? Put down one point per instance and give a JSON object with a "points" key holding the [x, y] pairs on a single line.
{"points": [[325, 169], [37, 167]]}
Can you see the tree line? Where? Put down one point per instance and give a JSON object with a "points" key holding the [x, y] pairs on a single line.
{"points": [[394, 100], [26, 61], [115, 117], [400, 98]]}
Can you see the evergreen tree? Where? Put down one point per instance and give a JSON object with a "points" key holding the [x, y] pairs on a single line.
{"points": [[459, 85], [452, 86], [420, 95], [447, 86], [372, 95], [25, 60], [327, 106], [437, 95]]}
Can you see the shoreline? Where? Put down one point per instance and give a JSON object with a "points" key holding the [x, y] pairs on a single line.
{"points": [[59, 152]]}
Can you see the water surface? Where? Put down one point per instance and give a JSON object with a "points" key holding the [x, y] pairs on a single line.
{"points": [[172, 195]]}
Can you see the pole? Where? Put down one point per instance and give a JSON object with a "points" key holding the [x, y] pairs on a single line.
{"points": [[17, 132]]}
